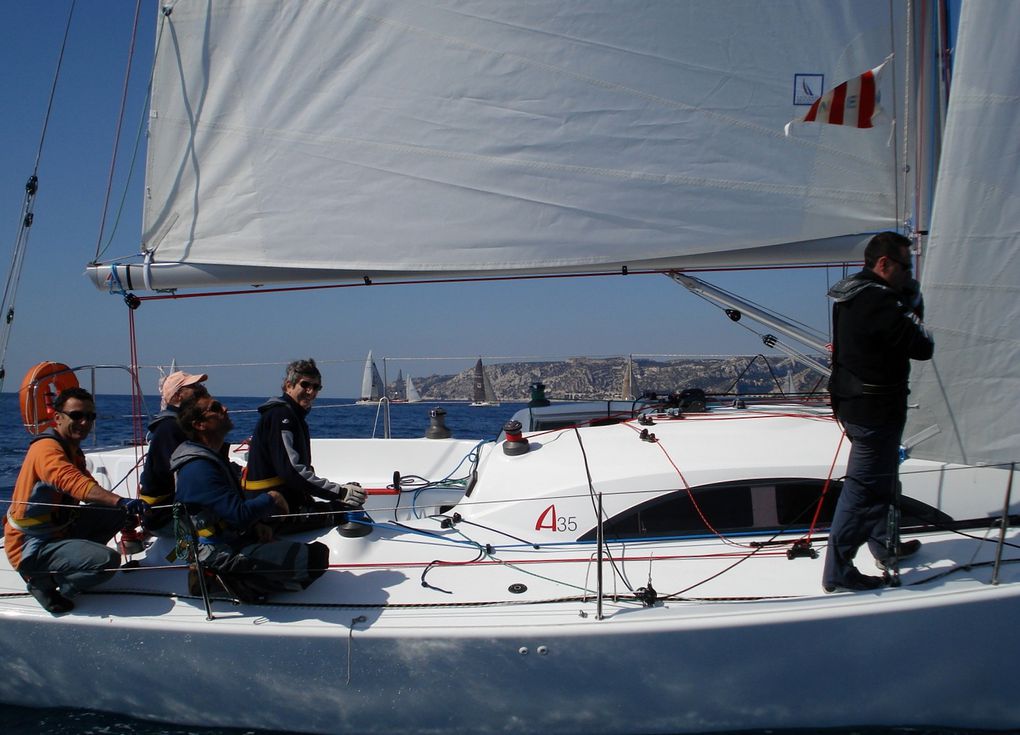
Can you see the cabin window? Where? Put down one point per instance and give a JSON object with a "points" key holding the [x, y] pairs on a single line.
{"points": [[764, 506], [730, 507]]}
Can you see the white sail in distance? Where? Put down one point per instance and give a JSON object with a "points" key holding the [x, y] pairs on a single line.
{"points": [[411, 393], [371, 381]]}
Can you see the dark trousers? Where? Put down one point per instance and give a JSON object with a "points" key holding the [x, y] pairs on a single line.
{"points": [[81, 559], [862, 512]]}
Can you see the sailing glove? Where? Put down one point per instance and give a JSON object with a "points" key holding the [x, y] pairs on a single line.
{"points": [[912, 295], [134, 506], [352, 494]]}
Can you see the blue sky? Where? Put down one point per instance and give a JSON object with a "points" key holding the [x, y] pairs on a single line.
{"points": [[243, 342]]}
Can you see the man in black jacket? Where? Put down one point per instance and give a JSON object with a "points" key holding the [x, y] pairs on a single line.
{"points": [[877, 330], [280, 457]]}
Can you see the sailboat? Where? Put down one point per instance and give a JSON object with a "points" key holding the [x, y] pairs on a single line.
{"points": [[657, 575], [628, 386], [410, 392], [371, 383], [482, 393], [397, 395]]}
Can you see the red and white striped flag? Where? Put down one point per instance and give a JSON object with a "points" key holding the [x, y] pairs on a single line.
{"points": [[853, 103]]}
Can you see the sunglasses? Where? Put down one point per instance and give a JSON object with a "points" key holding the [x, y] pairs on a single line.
{"points": [[308, 385], [908, 266], [215, 407], [77, 416]]}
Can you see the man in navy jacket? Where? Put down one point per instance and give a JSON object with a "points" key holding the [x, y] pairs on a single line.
{"points": [[235, 543], [877, 331]]}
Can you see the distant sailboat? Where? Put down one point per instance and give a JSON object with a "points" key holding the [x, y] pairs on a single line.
{"points": [[371, 382], [397, 395], [629, 387], [483, 394], [411, 393]]}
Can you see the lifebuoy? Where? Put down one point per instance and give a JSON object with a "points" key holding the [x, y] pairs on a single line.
{"points": [[41, 385]]}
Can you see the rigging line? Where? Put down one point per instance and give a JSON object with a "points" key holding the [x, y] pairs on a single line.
{"points": [[120, 122], [462, 519], [439, 562], [127, 184], [898, 167], [142, 126], [595, 509], [825, 488], [28, 213], [690, 493]]}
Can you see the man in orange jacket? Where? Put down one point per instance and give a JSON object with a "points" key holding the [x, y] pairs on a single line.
{"points": [[56, 543]]}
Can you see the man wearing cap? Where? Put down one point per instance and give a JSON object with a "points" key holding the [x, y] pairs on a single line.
{"points": [[165, 435]]}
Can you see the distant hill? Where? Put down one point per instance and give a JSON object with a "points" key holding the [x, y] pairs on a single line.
{"points": [[584, 378]]}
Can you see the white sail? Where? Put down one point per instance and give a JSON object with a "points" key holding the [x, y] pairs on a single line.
{"points": [[970, 270], [410, 392], [294, 141], [371, 381], [629, 387]]}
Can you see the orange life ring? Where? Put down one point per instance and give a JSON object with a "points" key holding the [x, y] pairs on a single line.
{"points": [[41, 385]]}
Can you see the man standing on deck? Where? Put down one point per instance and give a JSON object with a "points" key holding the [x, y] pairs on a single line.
{"points": [[280, 457], [877, 331], [57, 544], [165, 435]]}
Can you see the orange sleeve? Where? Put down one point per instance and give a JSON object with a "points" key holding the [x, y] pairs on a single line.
{"points": [[54, 468]]}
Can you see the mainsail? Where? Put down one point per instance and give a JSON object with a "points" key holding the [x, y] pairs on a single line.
{"points": [[299, 141], [971, 266]]}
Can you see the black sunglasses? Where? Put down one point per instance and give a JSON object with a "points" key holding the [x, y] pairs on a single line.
{"points": [[215, 407], [79, 415], [309, 385]]}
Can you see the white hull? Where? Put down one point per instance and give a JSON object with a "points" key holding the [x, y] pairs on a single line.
{"points": [[750, 641], [686, 668]]}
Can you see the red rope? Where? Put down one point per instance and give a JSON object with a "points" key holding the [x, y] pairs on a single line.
{"points": [[825, 488], [136, 398]]}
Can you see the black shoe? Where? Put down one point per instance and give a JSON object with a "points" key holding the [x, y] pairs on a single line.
{"points": [[52, 601], [855, 582], [907, 548]]}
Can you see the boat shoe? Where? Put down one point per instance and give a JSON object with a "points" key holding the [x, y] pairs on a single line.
{"points": [[854, 581], [51, 600], [907, 548]]}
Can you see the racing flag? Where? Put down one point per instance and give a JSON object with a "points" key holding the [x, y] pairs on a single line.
{"points": [[853, 103]]}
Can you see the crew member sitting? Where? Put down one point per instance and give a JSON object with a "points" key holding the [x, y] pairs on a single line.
{"points": [[55, 543], [280, 458], [165, 435], [235, 546]]}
